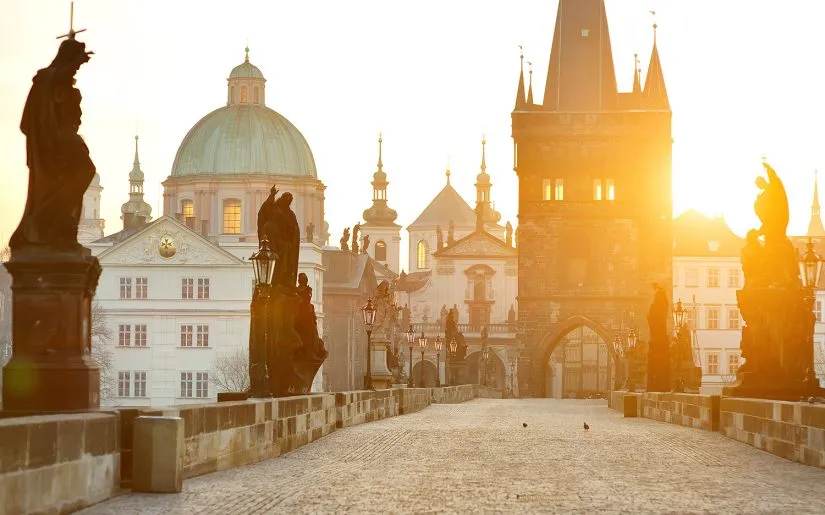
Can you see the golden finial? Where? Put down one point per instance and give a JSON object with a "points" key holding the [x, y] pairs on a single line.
{"points": [[448, 170], [246, 50], [380, 151], [483, 154]]}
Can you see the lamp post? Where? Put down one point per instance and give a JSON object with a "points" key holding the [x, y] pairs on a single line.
{"points": [[368, 312], [618, 351], [438, 346], [810, 268], [485, 355], [632, 338], [263, 266], [410, 342], [422, 342], [451, 367], [679, 313]]}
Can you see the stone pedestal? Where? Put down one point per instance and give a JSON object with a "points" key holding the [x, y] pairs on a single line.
{"points": [[51, 368], [381, 374], [158, 455]]}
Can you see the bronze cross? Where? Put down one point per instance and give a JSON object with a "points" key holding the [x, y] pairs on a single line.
{"points": [[72, 32]]}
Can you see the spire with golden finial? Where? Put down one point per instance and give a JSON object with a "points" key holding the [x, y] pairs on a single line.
{"points": [[520, 90], [380, 213], [530, 87], [380, 151], [483, 154], [637, 74], [815, 227], [246, 52]]}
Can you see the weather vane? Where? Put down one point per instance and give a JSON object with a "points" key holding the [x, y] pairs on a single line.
{"points": [[72, 32], [653, 13]]}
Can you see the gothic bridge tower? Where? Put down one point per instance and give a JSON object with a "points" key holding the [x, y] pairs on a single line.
{"points": [[595, 206]]}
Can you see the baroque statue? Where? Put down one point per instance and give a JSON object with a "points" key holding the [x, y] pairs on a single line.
{"points": [[310, 232], [658, 352], [345, 240], [356, 229], [365, 243], [508, 234]]}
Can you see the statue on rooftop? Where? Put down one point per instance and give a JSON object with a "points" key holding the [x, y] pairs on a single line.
{"points": [[356, 229], [345, 240]]}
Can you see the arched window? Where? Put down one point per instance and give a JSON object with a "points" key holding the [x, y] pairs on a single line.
{"points": [[559, 189], [244, 95], [611, 189], [187, 208], [423, 255], [256, 96], [380, 251], [597, 189], [231, 216]]}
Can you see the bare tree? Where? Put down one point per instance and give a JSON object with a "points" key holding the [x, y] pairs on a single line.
{"points": [[102, 339], [230, 371]]}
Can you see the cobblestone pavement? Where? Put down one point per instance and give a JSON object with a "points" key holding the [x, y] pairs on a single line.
{"points": [[477, 457]]}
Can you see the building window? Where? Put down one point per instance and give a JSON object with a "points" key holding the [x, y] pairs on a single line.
{"points": [[186, 336], [733, 278], [202, 385], [423, 255], [547, 189], [203, 336], [818, 310], [186, 385], [712, 363], [187, 208], [125, 287], [713, 277], [187, 288], [597, 189], [691, 316], [244, 95], [559, 189], [733, 318], [692, 277], [232, 216], [733, 363], [203, 288], [380, 251], [140, 384], [610, 189], [140, 335], [713, 318], [124, 335], [123, 384], [142, 288], [256, 95]]}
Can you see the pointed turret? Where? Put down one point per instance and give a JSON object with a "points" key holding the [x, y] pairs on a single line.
{"points": [[483, 187], [530, 87], [655, 92], [581, 76], [520, 91], [136, 211], [637, 75], [815, 227], [380, 213]]}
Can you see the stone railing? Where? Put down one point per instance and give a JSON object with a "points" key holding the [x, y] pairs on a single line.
{"points": [[58, 463], [353, 408], [792, 430], [691, 410], [493, 330], [454, 394]]}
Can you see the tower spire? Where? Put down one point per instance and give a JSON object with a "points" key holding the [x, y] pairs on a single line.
{"points": [[520, 90], [655, 91], [483, 154], [815, 227], [136, 163], [380, 213], [530, 88], [637, 75], [136, 211]]}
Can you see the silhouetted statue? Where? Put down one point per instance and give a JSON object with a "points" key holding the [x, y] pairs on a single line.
{"points": [[454, 312], [285, 241], [355, 234], [753, 257], [405, 316], [658, 354], [442, 320], [508, 234], [771, 207], [451, 233], [306, 323], [60, 168], [515, 238], [511, 315], [439, 238], [365, 243], [345, 240], [266, 216], [310, 232]]}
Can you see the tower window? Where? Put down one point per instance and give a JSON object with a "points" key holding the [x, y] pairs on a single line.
{"points": [[380, 251], [547, 189], [598, 194], [423, 260], [187, 207], [231, 216], [610, 189], [559, 189], [256, 96], [244, 95]]}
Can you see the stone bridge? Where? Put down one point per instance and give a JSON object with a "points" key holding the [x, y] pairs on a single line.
{"points": [[479, 457]]}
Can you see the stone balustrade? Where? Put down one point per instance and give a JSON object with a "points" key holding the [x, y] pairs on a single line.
{"points": [[454, 394], [685, 409], [353, 408], [792, 430], [58, 463]]}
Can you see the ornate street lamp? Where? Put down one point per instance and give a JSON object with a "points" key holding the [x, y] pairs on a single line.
{"points": [[632, 340], [422, 342], [618, 350], [679, 313], [810, 267], [368, 312], [485, 355], [263, 266], [410, 341], [451, 367], [438, 346]]}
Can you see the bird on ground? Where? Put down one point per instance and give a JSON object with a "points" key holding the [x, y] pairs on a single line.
{"points": [[524, 424], [586, 427]]}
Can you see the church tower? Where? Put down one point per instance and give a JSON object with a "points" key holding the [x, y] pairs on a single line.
{"points": [[595, 200], [380, 226], [815, 228], [136, 211], [91, 222], [490, 216]]}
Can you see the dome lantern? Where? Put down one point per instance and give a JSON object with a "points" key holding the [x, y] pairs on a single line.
{"points": [[246, 84]]}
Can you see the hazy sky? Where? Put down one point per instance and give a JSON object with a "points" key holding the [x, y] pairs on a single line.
{"points": [[744, 79]]}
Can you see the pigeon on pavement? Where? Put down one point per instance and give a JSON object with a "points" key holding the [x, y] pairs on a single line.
{"points": [[586, 427]]}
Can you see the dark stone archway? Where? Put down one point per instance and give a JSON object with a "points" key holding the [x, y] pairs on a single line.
{"points": [[429, 374]]}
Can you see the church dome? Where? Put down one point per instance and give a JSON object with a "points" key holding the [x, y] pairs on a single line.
{"points": [[245, 136]]}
